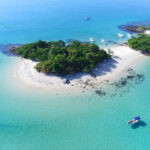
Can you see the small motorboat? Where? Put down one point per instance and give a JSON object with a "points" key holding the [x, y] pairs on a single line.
{"points": [[120, 35], [91, 39], [103, 41], [134, 121], [87, 18], [129, 35]]}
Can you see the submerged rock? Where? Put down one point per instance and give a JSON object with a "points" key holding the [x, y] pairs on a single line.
{"points": [[130, 69], [100, 92], [124, 82], [130, 77], [140, 77], [122, 85]]}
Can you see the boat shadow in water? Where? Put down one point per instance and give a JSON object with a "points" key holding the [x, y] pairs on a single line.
{"points": [[139, 124]]}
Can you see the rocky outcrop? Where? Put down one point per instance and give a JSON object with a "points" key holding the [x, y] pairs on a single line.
{"points": [[14, 49], [136, 28]]}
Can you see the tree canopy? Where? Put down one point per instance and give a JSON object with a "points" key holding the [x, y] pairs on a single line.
{"points": [[62, 59], [141, 43]]}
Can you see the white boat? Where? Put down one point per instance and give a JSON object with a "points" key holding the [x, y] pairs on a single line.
{"points": [[103, 41], [91, 39], [120, 35], [129, 35], [135, 120]]}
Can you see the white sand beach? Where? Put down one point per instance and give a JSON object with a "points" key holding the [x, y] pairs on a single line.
{"points": [[123, 58]]}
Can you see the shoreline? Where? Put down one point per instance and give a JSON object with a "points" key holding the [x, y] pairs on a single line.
{"points": [[123, 58]]}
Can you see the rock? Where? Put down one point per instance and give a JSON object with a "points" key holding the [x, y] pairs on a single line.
{"points": [[93, 75], [86, 82], [100, 92], [130, 77], [140, 77], [130, 69], [14, 49], [67, 81], [123, 82], [136, 28]]}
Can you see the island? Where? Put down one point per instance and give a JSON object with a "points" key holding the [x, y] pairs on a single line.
{"points": [[136, 28], [61, 59], [57, 66], [140, 43]]}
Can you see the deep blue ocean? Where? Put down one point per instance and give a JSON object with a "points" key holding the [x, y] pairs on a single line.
{"points": [[32, 119]]}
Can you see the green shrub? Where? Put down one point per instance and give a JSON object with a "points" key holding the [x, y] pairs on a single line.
{"points": [[61, 59], [141, 43]]}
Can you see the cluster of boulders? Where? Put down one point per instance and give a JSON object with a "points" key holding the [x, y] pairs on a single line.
{"points": [[135, 29], [13, 49], [107, 87], [131, 77], [100, 92], [123, 84], [9, 49]]}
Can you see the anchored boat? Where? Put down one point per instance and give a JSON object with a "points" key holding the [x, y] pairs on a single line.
{"points": [[120, 35], [129, 35], [87, 18], [135, 120], [103, 41], [91, 39]]}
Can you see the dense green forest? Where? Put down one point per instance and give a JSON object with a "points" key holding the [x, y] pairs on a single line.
{"points": [[62, 59], [141, 43]]}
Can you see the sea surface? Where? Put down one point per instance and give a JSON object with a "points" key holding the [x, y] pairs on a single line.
{"points": [[32, 119]]}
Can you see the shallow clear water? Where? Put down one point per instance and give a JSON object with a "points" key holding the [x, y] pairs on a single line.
{"points": [[32, 119]]}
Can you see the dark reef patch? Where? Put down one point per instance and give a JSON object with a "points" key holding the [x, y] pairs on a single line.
{"points": [[9, 49], [121, 86], [100, 92]]}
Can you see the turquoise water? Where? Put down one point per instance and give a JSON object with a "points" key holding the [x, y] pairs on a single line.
{"points": [[31, 119], [31, 20]]}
